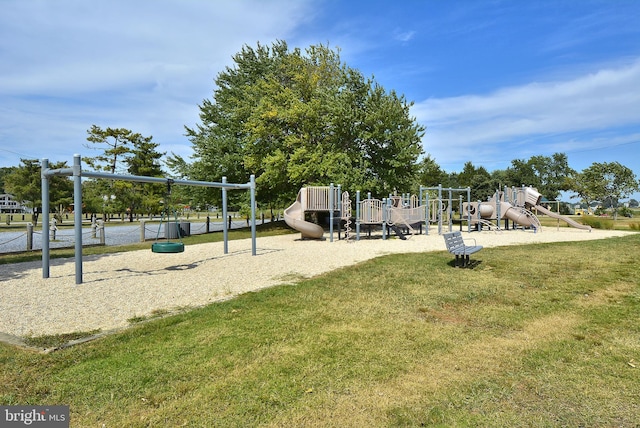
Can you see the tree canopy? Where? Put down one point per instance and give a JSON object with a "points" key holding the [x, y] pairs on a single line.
{"points": [[606, 180], [25, 184], [546, 173], [297, 118], [123, 151]]}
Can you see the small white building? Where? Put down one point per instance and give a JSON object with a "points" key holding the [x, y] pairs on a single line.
{"points": [[10, 205]]}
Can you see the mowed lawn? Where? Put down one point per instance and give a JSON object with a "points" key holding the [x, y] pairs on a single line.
{"points": [[530, 336]]}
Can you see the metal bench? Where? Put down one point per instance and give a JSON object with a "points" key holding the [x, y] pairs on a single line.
{"points": [[457, 247]]}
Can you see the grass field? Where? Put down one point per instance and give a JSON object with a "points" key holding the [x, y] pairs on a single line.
{"points": [[537, 335]]}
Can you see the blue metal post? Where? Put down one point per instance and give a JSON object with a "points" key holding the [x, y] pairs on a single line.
{"points": [[427, 209], [225, 229], [469, 209], [384, 218], [450, 210], [45, 218], [77, 208], [331, 212], [498, 208], [357, 215], [252, 181], [439, 209]]}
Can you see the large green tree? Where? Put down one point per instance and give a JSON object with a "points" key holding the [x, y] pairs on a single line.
{"points": [[25, 184], [481, 182], [606, 180], [546, 173], [430, 174], [145, 161], [4, 171], [297, 118], [122, 151]]}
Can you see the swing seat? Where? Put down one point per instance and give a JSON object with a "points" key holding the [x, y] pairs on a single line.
{"points": [[167, 247]]}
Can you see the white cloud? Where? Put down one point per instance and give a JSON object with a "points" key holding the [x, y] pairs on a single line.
{"points": [[77, 45], [479, 124], [404, 36], [144, 65]]}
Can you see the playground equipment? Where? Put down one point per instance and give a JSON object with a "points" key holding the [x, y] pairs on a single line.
{"points": [[567, 220], [440, 210], [516, 205], [496, 209], [313, 199], [167, 246], [395, 212], [404, 214], [583, 211], [77, 173]]}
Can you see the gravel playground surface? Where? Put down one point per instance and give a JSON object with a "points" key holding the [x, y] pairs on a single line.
{"points": [[122, 286]]}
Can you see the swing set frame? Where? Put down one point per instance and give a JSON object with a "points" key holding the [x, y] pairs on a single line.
{"points": [[77, 173]]}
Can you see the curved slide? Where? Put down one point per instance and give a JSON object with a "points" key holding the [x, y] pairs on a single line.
{"points": [[522, 217], [294, 217], [519, 215], [567, 220]]}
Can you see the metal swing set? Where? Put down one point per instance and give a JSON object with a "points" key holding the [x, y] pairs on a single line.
{"points": [[157, 247]]}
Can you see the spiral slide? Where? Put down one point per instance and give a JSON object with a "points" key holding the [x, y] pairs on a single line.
{"points": [[294, 217], [567, 220]]}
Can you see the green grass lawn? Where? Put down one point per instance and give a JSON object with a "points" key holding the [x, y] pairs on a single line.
{"points": [[537, 335]]}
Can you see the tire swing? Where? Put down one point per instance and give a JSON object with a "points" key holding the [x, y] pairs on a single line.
{"points": [[167, 246]]}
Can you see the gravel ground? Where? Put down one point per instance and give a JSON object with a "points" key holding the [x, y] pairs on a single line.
{"points": [[118, 287]]}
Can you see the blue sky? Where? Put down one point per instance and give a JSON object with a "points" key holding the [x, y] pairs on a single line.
{"points": [[491, 80]]}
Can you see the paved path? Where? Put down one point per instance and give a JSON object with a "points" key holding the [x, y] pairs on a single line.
{"points": [[11, 242]]}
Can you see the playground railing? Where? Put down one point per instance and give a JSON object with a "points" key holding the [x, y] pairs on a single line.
{"points": [[317, 198], [371, 211], [407, 215]]}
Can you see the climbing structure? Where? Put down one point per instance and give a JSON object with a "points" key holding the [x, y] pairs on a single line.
{"points": [[309, 200], [516, 205]]}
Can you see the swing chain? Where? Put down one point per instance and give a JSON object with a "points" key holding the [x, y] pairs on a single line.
{"points": [[167, 211], [169, 183]]}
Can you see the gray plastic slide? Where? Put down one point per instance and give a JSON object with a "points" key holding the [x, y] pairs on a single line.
{"points": [[293, 216], [519, 215], [567, 220]]}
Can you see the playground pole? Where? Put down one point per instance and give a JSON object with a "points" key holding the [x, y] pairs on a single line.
{"points": [[427, 208], [440, 209], [384, 218], [225, 229], [339, 206], [460, 208], [77, 209], [498, 208], [45, 218], [469, 211], [357, 215], [450, 210], [252, 191], [331, 212]]}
